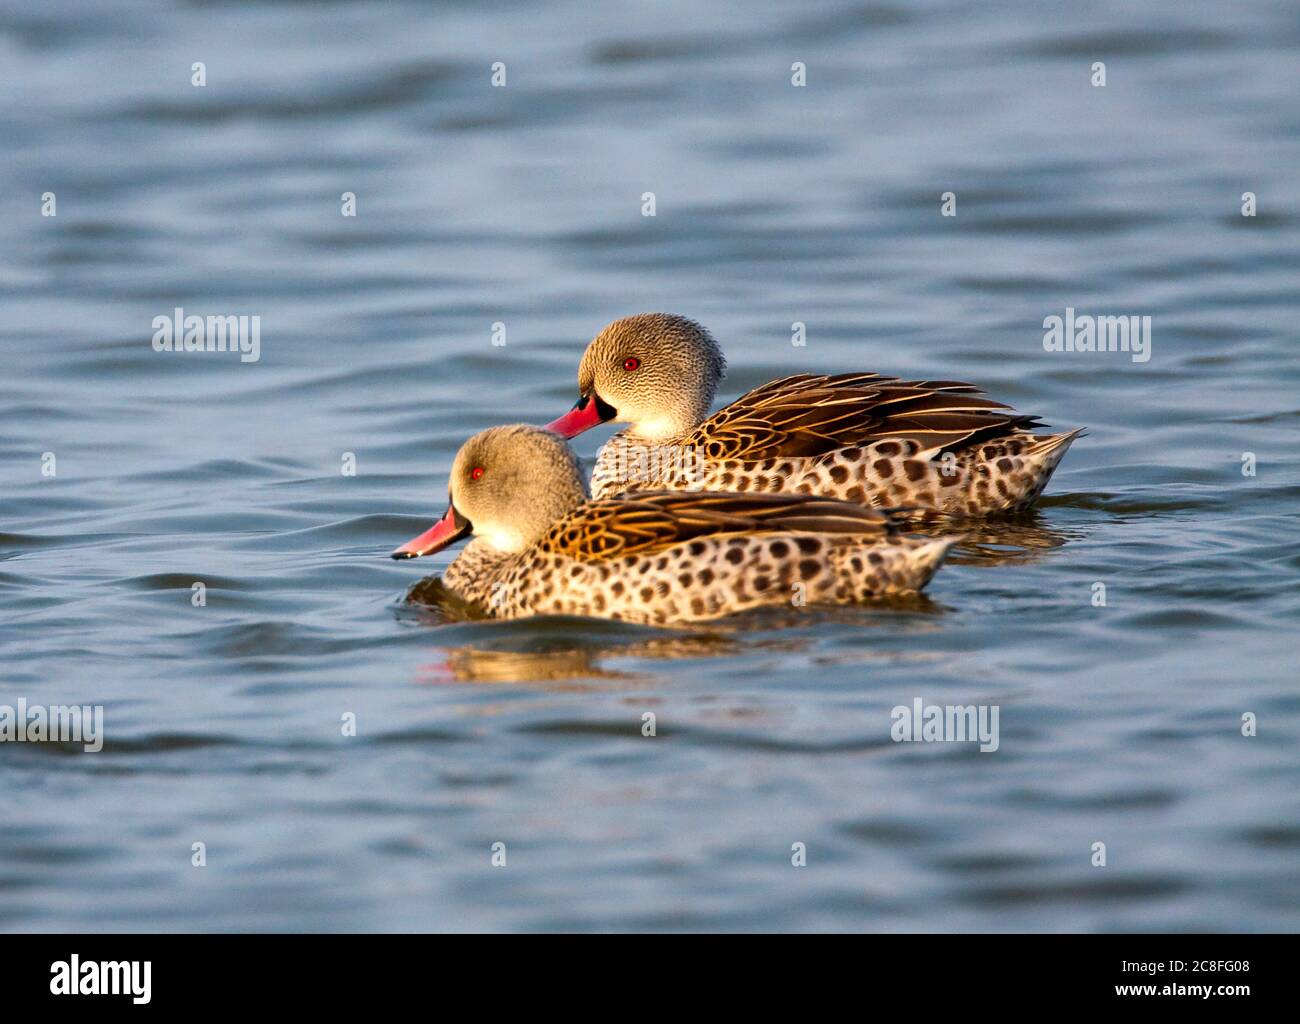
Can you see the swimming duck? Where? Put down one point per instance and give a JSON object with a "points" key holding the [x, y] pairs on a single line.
{"points": [[861, 437], [540, 546]]}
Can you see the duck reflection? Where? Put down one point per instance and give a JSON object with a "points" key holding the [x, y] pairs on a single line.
{"points": [[1007, 540], [570, 653]]}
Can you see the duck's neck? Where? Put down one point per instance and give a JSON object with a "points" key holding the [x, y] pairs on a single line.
{"points": [[628, 462], [476, 570], [666, 431]]}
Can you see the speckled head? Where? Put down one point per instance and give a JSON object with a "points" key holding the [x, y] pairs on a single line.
{"points": [[655, 371], [508, 486]]}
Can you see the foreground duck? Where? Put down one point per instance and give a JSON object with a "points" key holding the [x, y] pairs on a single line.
{"points": [[861, 437], [541, 547]]}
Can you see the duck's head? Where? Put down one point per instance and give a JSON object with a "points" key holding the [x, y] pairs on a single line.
{"points": [[655, 371], [508, 486]]}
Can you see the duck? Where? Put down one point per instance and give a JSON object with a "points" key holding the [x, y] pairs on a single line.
{"points": [[867, 438], [541, 546]]}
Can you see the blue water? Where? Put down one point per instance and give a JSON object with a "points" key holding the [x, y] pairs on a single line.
{"points": [[522, 206]]}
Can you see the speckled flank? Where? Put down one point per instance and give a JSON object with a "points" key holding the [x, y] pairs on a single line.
{"points": [[696, 580], [1004, 475]]}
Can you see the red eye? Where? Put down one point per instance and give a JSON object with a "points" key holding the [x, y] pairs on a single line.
{"points": [[476, 472], [631, 363]]}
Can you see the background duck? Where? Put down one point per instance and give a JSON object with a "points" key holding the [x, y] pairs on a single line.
{"points": [[542, 547], [860, 437]]}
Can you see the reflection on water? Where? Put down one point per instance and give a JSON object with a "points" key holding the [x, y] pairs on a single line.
{"points": [[553, 649], [549, 662], [539, 668], [1021, 539], [549, 665]]}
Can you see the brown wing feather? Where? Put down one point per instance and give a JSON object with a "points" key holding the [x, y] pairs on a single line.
{"points": [[807, 415], [646, 522]]}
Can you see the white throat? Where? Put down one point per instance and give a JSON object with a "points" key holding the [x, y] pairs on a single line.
{"points": [[501, 538], [661, 428]]}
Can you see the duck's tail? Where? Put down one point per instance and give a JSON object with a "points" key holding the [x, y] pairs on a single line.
{"points": [[1054, 446], [1042, 458], [904, 565]]}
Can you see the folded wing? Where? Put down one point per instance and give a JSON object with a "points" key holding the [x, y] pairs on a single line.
{"points": [[807, 415], [645, 523]]}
